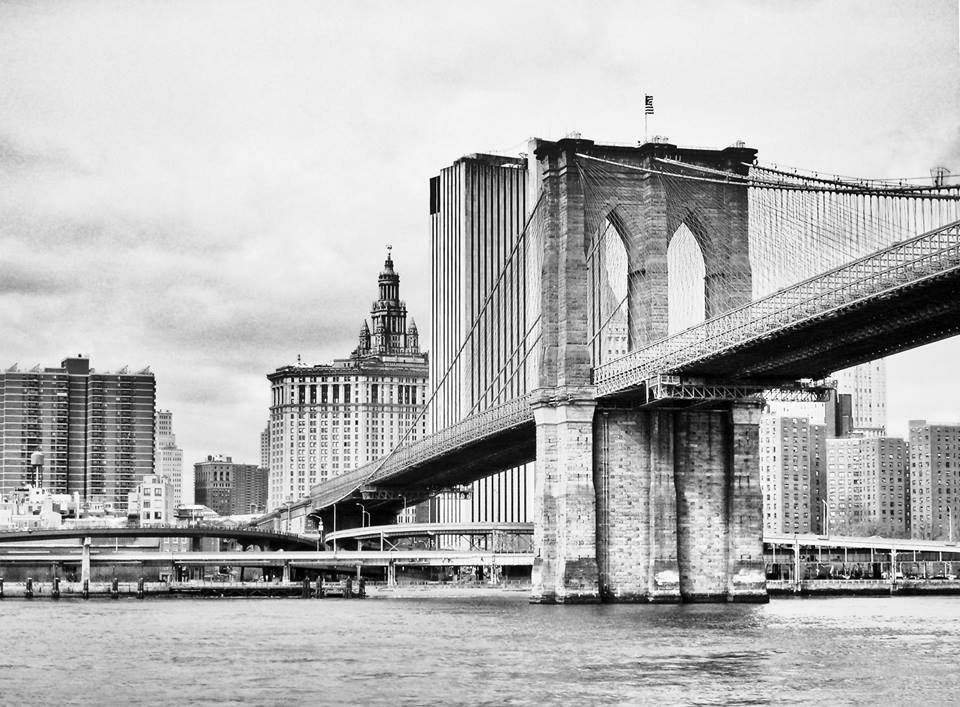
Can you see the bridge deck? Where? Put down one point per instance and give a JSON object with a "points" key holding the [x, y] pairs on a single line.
{"points": [[892, 300], [897, 298], [496, 438]]}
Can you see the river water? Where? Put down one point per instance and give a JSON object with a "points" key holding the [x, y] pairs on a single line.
{"points": [[485, 651]]}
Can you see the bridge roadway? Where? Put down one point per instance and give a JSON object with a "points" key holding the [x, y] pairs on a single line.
{"points": [[246, 536], [498, 438], [895, 299], [416, 530]]}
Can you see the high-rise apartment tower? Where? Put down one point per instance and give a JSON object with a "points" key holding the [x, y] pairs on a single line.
{"points": [[96, 430]]}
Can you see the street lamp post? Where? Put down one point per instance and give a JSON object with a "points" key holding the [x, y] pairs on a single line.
{"points": [[364, 514]]}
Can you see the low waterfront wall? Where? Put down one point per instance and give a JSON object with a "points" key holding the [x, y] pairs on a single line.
{"points": [[40, 591], [862, 587]]}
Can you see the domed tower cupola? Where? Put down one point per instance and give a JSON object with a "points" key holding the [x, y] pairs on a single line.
{"points": [[389, 314], [389, 280]]}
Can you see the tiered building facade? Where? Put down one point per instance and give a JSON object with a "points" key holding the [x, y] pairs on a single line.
{"points": [[168, 459], [329, 419]]}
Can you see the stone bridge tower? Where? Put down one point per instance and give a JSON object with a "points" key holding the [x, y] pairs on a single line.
{"points": [[634, 503]]}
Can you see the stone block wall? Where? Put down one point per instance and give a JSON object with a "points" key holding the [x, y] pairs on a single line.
{"points": [[565, 561], [678, 505], [702, 443], [636, 506]]}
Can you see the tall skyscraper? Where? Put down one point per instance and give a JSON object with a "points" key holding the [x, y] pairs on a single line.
{"points": [[168, 459], [479, 335], [934, 480], [867, 386], [328, 419], [265, 447], [229, 488], [867, 481], [96, 429]]}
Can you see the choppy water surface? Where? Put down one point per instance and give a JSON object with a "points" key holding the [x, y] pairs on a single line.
{"points": [[495, 650]]}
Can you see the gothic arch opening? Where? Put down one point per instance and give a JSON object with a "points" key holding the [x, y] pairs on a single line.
{"points": [[608, 266], [686, 289]]}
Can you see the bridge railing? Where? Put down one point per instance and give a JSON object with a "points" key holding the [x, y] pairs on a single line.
{"points": [[476, 427], [908, 261]]}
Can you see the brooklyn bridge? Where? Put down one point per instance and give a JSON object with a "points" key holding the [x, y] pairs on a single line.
{"points": [[643, 424]]}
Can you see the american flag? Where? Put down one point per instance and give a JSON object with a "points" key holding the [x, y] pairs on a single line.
{"points": [[647, 105]]}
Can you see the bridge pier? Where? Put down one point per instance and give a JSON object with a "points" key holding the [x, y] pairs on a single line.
{"points": [[636, 506], [565, 561], [679, 505]]}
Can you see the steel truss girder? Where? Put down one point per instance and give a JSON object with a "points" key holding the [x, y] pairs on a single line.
{"points": [[658, 392]]}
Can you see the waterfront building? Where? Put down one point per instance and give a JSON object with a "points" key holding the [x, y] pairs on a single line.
{"points": [[867, 386], [934, 480], [818, 435], [168, 459], [32, 507], [329, 419], [480, 326], [95, 429], [793, 453], [785, 474], [153, 501], [867, 482], [230, 488]]}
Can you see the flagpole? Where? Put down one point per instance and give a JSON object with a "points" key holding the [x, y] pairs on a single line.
{"points": [[647, 112]]}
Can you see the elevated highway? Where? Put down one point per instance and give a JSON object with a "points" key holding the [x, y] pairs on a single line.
{"points": [[319, 560], [246, 536]]}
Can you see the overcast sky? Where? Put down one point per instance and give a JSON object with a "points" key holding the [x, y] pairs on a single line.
{"points": [[208, 187]]}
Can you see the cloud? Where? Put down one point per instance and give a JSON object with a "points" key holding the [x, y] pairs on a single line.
{"points": [[208, 187], [19, 157]]}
